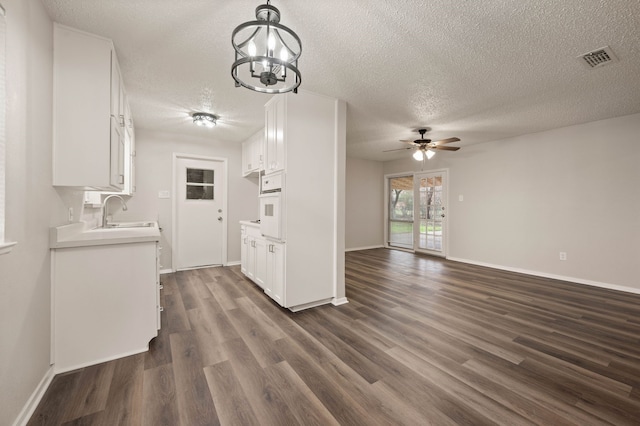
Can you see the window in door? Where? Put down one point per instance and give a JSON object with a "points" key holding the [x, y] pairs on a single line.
{"points": [[430, 189], [200, 183], [400, 227]]}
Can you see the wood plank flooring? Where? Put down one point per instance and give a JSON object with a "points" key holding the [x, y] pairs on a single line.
{"points": [[423, 341]]}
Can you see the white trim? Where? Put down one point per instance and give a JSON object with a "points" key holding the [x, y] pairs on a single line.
{"points": [[387, 246], [364, 248], [166, 271], [552, 276], [234, 263], [6, 247], [32, 403], [339, 301], [174, 206]]}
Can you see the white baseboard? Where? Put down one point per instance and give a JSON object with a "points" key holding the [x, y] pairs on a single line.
{"points": [[552, 276], [166, 271], [364, 248], [237, 262], [339, 301], [35, 398]]}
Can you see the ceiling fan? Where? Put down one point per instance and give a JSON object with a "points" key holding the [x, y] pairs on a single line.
{"points": [[425, 147]]}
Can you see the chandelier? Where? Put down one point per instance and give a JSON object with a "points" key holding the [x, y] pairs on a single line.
{"points": [[266, 58]]}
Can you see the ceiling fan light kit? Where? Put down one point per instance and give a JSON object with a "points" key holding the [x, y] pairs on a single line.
{"points": [[266, 54], [425, 147]]}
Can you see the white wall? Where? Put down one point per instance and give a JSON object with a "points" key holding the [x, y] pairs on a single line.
{"points": [[32, 206], [364, 204], [154, 173], [573, 189]]}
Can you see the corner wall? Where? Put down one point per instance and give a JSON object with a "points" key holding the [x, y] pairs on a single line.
{"points": [[573, 189], [32, 205], [364, 204]]}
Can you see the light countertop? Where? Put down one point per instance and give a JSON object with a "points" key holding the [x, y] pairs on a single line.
{"points": [[250, 223], [77, 235]]}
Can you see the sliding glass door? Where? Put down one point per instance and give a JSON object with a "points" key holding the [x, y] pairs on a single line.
{"points": [[417, 212], [400, 226], [431, 210]]}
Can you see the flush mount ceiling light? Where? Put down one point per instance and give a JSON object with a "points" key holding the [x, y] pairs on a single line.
{"points": [[266, 54], [204, 119]]}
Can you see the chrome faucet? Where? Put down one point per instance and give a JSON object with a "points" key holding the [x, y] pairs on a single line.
{"points": [[104, 207]]}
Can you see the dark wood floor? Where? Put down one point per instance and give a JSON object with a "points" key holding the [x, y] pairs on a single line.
{"points": [[422, 341]]}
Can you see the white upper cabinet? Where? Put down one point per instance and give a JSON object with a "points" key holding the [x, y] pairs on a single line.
{"points": [[89, 146], [252, 154], [275, 132]]}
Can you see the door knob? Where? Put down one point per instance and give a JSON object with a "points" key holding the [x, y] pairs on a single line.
{"points": [[442, 215], [220, 218]]}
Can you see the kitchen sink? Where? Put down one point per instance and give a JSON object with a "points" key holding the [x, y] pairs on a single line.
{"points": [[131, 225]]}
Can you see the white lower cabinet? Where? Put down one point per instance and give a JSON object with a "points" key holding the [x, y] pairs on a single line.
{"points": [[104, 302], [254, 255], [274, 285], [262, 261]]}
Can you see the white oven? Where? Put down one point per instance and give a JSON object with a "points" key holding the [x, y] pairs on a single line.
{"points": [[271, 189], [271, 215]]}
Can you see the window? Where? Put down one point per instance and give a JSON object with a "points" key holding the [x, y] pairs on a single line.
{"points": [[200, 184]]}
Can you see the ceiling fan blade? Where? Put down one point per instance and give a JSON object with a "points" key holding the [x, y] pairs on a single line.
{"points": [[405, 141], [445, 148], [448, 140], [400, 149]]}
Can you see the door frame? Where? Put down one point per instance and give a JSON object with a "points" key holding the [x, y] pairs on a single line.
{"points": [[416, 213], [386, 210], [174, 203]]}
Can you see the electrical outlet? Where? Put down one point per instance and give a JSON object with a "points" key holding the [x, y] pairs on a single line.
{"points": [[70, 214], [563, 255]]}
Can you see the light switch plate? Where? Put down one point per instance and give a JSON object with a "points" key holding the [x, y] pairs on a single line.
{"points": [[164, 194]]}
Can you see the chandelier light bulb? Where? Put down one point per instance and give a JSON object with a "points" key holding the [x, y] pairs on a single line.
{"points": [[284, 54], [252, 48], [271, 42]]}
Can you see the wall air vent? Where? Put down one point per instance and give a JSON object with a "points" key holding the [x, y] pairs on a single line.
{"points": [[598, 58]]}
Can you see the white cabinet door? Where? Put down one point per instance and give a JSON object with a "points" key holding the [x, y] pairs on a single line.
{"points": [[275, 135], [244, 249], [260, 273], [88, 97], [117, 150], [252, 154], [275, 285]]}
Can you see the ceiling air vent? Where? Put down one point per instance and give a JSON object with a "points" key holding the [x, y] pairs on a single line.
{"points": [[598, 58]]}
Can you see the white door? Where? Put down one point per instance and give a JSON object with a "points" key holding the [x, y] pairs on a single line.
{"points": [[200, 221], [430, 212]]}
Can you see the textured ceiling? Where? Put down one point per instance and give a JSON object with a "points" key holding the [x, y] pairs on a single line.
{"points": [[478, 70]]}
